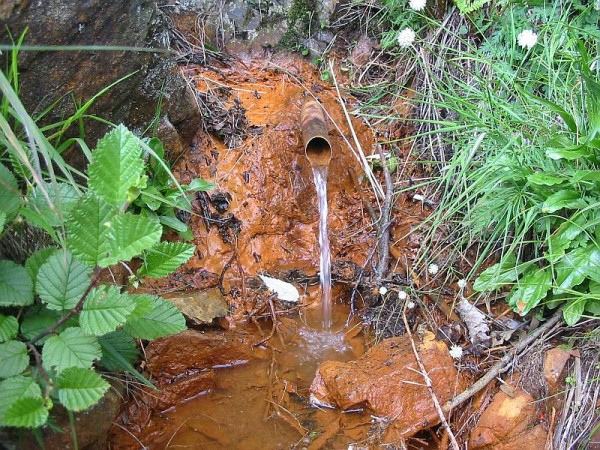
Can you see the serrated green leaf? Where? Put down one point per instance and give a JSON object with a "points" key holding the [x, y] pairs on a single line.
{"points": [[37, 220], [16, 287], [13, 358], [9, 326], [499, 275], [10, 195], [79, 389], [26, 412], [62, 280], [530, 290], [576, 266], [87, 230], [566, 198], [71, 348], [15, 388], [38, 319], [573, 310], [104, 310], [116, 166], [129, 235], [163, 319], [198, 184], [63, 197], [164, 258], [37, 260], [119, 352]]}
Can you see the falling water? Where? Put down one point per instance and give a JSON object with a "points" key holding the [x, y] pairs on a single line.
{"points": [[320, 176]]}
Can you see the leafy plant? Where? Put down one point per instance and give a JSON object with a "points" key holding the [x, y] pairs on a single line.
{"points": [[58, 326]]}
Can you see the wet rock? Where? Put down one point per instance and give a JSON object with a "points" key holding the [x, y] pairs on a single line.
{"points": [[193, 351], [507, 424], [387, 381], [170, 394], [201, 307], [555, 361], [76, 76]]}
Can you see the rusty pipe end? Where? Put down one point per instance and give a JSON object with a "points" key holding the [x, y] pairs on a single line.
{"points": [[314, 134]]}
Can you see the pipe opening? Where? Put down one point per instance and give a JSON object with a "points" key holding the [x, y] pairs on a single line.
{"points": [[315, 134], [318, 151]]}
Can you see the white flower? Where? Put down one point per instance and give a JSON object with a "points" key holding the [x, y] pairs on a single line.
{"points": [[410, 305], [456, 352], [417, 5], [433, 269], [527, 39], [402, 295], [406, 37], [383, 290], [462, 283]]}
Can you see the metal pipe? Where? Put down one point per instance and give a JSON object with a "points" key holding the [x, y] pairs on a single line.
{"points": [[314, 134]]}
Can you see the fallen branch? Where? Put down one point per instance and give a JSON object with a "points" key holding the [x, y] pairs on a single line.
{"points": [[384, 232]]}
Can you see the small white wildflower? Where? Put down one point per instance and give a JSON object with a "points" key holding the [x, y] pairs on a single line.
{"points": [[402, 295], [418, 198], [417, 5], [462, 283], [406, 37], [433, 269], [456, 352], [527, 39], [383, 290], [410, 305]]}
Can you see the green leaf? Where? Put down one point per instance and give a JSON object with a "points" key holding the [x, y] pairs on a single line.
{"points": [[152, 198], [71, 348], [26, 412], [37, 220], [2, 221], [37, 260], [494, 277], [585, 175], [573, 310], [117, 166], [16, 287], [104, 310], [576, 266], [532, 288], [15, 388], [173, 222], [545, 179], [38, 319], [62, 280], [10, 195], [87, 227], [198, 184], [119, 353], [79, 389], [564, 235], [130, 235], [13, 358], [63, 198], [164, 258], [9, 326], [566, 198], [154, 317], [568, 153]]}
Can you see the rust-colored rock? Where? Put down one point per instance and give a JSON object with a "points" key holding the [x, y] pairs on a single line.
{"points": [[387, 381], [555, 361], [193, 351], [507, 424]]}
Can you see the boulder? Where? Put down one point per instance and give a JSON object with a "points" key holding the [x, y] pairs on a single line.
{"points": [[387, 380], [508, 424], [74, 77]]}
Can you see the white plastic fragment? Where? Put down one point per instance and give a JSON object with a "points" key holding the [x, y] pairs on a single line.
{"points": [[284, 290]]}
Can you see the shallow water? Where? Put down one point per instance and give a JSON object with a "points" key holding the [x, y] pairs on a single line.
{"points": [[320, 177]]}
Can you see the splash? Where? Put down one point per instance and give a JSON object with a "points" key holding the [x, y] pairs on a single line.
{"points": [[320, 177]]}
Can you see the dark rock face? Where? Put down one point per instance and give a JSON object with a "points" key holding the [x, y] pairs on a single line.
{"points": [[76, 76]]}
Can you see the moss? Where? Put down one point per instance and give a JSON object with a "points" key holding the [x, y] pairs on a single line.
{"points": [[302, 17]]}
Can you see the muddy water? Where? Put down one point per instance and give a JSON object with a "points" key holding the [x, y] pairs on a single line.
{"points": [[262, 403], [320, 177]]}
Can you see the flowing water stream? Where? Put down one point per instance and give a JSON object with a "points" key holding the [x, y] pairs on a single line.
{"points": [[320, 177]]}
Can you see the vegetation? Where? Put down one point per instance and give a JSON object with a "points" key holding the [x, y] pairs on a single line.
{"points": [[61, 330]]}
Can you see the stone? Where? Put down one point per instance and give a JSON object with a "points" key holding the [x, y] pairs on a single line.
{"points": [[507, 424], [202, 307], [387, 380], [170, 394], [193, 351], [76, 76], [555, 361]]}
